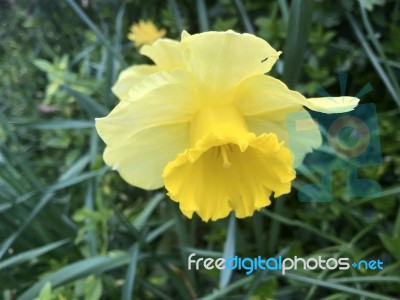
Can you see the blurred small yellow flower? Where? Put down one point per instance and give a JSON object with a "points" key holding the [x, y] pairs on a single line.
{"points": [[209, 125], [143, 33]]}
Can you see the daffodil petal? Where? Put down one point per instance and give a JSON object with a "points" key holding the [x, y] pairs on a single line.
{"points": [[163, 98], [224, 177], [130, 77], [267, 104], [299, 143], [184, 35], [332, 105], [265, 95], [141, 158], [165, 53], [260, 94], [221, 60], [150, 130]]}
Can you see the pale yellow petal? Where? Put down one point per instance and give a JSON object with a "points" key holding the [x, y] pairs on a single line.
{"points": [[181, 80], [221, 60], [130, 77], [266, 95], [300, 142], [141, 158], [158, 119], [165, 53], [166, 98], [269, 106], [145, 33], [184, 35], [281, 96], [332, 105]]}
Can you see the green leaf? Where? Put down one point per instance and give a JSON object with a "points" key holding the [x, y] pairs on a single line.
{"points": [[93, 288], [93, 108], [31, 254], [202, 14], [245, 18], [74, 271], [297, 36], [58, 124], [84, 17], [45, 292], [141, 220], [392, 244], [130, 274], [338, 287], [229, 251], [369, 4]]}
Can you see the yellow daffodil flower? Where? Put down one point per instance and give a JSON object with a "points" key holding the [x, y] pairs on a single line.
{"points": [[209, 125], [143, 33]]}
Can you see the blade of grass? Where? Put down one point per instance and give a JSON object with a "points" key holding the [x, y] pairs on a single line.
{"points": [[184, 242], [38, 207], [31, 254], [298, 30], [229, 251], [59, 185], [275, 227], [130, 275], [151, 205], [56, 124], [89, 204], [385, 193], [372, 57], [77, 270], [202, 15], [203, 253], [75, 168], [283, 6], [366, 279], [224, 291], [378, 48], [92, 107], [176, 13], [84, 17], [334, 286], [245, 18], [44, 200], [308, 227], [150, 287]]}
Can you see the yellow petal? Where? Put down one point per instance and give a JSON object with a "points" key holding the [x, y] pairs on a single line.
{"points": [[160, 116], [268, 105], [332, 105], [220, 60], [299, 142], [141, 158], [264, 94], [184, 35], [145, 33], [225, 176], [130, 77], [165, 53]]}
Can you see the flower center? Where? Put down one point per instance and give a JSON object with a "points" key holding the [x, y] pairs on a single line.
{"points": [[222, 151]]}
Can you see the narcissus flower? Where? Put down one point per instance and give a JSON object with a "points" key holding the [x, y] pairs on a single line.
{"points": [[145, 33], [209, 125]]}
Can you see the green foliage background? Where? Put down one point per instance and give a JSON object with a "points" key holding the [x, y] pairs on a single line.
{"points": [[70, 228]]}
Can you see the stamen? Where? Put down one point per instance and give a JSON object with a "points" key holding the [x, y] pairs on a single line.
{"points": [[226, 162], [216, 151]]}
